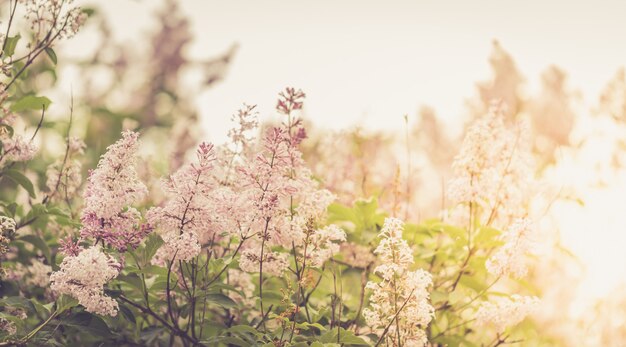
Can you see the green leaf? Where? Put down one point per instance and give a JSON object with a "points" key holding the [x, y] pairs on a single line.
{"points": [[11, 209], [10, 45], [19, 302], [272, 297], [40, 308], [51, 55], [38, 243], [226, 340], [338, 212], [132, 279], [88, 323], [307, 325], [22, 180], [150, 335], [31, 102], [89, 11], [346, 338], [221, 300], [487, 236], [128, 314], [152, 244], [65, 302], [454, 341], [473, 283], [36, 211], [243, 329]]}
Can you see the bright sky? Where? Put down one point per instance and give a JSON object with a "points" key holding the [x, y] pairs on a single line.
{"points": [[373, 61]]}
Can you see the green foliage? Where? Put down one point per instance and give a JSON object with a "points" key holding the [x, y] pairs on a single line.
{"points": [[51, 54], [22, 180], [10, 45], [31, 102]]}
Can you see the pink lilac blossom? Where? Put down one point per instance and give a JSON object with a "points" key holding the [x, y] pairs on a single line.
{"points": [[76, 145], [69, 247], [111, 188], [266, 182], [274, 263], [83, 277], [241, 136], [17, 149], [280, 189], [183, 247], [188, 217]]}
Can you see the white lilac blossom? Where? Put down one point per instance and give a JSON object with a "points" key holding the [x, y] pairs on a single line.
{"points": [[493, 169], [111, 188], [506, 312], [64, 180], [402, 295], [83, 277], [510, 259], [324, 243], [7, 229], [36, 274], [356, 255], [7, 225], [7, 326]]}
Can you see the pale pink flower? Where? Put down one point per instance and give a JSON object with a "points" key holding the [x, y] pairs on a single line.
{"points": [[506, 312], [493, 169], [188, 216], [36, 274], [7, 326], [323, 244], [183, 247], [64, 183], [111, 188], [274, 263], [356, 255], [401, 294], [17, 149], [83, 277], [511, 258]]}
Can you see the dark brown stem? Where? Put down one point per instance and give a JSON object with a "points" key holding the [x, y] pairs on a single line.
{"points": [[393, 319], [175, 330]]}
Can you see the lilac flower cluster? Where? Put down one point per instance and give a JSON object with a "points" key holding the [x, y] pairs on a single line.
{"points": [[111, 188]]}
